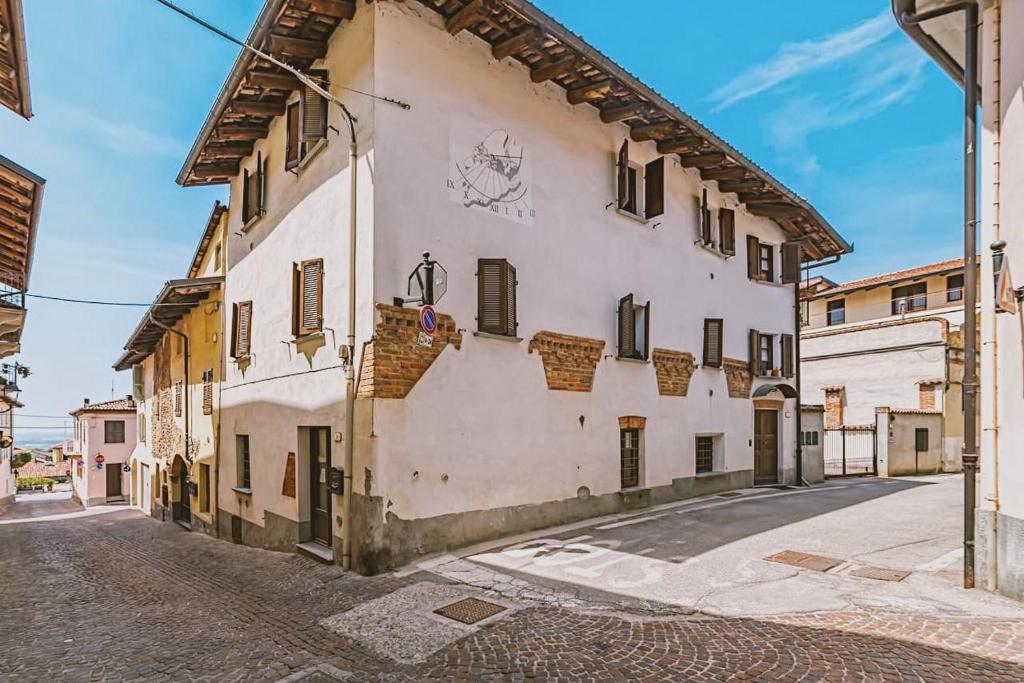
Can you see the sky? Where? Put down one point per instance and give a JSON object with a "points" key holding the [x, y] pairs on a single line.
{"points": [[837, 103]]}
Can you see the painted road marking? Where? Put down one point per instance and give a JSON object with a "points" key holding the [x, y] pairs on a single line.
{"points": [[941, 562]]}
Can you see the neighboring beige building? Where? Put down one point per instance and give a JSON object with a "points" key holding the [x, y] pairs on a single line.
{"points": [[176, 357], [889, 344], [616, 329], [999, 539]]}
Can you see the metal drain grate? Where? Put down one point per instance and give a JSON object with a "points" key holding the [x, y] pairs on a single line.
{"points": [[817, 563], [470, 610], [880, 574]]}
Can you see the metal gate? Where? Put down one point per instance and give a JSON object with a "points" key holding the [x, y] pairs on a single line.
{"points": [[850, 451]]}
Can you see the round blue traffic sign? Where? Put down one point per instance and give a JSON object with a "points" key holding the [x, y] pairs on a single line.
{"points": [[428, 319]]}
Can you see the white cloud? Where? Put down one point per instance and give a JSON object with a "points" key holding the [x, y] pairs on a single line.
{"points": [[127, 138], [796, 59]]}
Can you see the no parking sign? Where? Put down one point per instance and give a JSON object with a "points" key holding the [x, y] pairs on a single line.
{"points": [[428, 325]]}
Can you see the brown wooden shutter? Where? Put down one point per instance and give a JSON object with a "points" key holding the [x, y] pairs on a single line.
{"points": [[296, 300], [243, 335], [293, 147], [754, 347], [234, 331], [627, 327], [314, 108], [177, 399], [705, 219], [654, 188], [509, 294], [727, 230], [261, 180], [208, 391], [753, 258], [712, 343], [312, 296], [492, 313], [787, 355], [791, 256], [245, 196], [647, 330], [622, 176]]}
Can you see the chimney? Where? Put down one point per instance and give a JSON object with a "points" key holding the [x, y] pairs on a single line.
{"points": [[129, 397], [85, 402]]}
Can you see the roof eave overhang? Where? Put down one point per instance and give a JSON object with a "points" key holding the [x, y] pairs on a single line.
{"points": [[919, 33], [840, 291], [135, 350], [20, 66]]}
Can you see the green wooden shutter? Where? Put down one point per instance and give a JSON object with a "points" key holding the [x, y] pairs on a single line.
{"points": [[654, 188], [627, 330]]}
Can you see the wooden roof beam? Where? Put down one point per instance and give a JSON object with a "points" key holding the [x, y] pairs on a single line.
{"points": [[231, 133], [702, 160], [17, 239], [336, 9], [216, 169], [677, 145], [21, 213], [754, 197], [727, 173], [775, 210], [554, 69], [623, 112], [589, 92], [287, 46], [508, 47], [652, 131], [228, 149], [740, 185], [465, 17], [274, 81], [257, 107], [10, 194]]}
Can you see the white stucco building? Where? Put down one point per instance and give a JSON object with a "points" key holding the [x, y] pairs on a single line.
{"points": [[615, 331], [104, 435], [888, 347], [999, 542]]}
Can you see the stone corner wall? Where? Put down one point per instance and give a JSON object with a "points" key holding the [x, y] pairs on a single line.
{"points": [[570, 362], [737, 377], [673, 370], [393, 361]]}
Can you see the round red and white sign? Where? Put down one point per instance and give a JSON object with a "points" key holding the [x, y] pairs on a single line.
{"points": [[100, 459], [428, 319]]}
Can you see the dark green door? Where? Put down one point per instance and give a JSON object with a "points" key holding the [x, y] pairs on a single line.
{"points": [[319, 495]]}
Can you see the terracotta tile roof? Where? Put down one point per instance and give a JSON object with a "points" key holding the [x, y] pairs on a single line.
{"points": [[897, 276], [116, 406], [38, 469]]}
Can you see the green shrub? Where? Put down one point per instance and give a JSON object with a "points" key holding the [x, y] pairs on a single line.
{"points": [[29, 482]]}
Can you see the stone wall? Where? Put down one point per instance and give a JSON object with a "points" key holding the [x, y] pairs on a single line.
{"points": [[168, 439], [673, 370], [394, 360], [569, 361]]}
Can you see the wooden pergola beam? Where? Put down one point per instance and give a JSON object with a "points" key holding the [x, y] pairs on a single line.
{"points": [[652, 131], [297, 47], [702, 160], [589, 92], [465, 17], [623, 112], [273, 81], [257, 107], [678, 145], [728, 173], [508, 47], [555, 69]]}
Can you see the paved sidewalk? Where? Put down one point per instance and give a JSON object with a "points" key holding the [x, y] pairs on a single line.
{"points": [[119, 596]]}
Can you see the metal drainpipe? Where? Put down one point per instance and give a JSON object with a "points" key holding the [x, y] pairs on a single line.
{"points": [[970, 382], [350, 374], [188, 433]]}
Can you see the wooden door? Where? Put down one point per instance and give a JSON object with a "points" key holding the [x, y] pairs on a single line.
{"points": [[319, 495], [113, 470], [766, 447]]}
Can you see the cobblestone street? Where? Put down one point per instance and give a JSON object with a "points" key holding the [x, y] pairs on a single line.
{"points": [[118, 596]]}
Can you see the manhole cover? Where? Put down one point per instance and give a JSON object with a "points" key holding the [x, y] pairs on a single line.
{"points": [[469, 610], [817, 563], [880, 574], [729, 494]]}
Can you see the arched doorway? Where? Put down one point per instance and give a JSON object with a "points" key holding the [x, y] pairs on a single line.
{"points": [[182, 506]]}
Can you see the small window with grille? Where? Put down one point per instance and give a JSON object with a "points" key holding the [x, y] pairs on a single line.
{"points": [[705, 454], [629, 455]]}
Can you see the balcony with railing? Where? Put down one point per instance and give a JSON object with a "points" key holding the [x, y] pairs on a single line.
{"points": [[888, 304], [12, 311]]}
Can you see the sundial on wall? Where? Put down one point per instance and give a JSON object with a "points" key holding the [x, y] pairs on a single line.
{"points": [[491, 173]]}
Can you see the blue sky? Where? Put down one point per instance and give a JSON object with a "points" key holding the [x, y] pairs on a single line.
{"points": [[837, 104]]}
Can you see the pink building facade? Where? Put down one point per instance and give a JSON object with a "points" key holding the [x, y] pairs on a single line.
{"points": [[104, 435]]}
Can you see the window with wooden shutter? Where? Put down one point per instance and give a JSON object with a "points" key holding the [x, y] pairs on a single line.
{"points": [[177, 399], [208, 391], [623, 190], [314, 109], [753, 258], [253, 190], [754, 352], [310, 310], [727, 231], [654, 188], [634, 329], [766, 355], [766, 263], [496, 297], [712, 343], [706, 235], [293, 146], [241, 329], [787, 355], [791, 256]]}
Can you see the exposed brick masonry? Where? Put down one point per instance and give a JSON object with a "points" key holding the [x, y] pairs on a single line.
{"points": [[394, 361], [737, 377], [833, 407], [674, 370], [569, 361]]}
